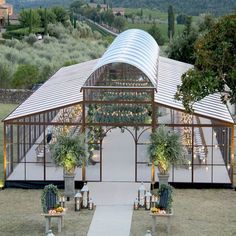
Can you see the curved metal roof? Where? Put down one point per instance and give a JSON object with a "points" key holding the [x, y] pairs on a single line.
{"points": [[137, 48]]}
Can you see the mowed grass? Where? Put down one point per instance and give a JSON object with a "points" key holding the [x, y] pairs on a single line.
{"points": [[20, 215], [196, 212], [5, 109]]}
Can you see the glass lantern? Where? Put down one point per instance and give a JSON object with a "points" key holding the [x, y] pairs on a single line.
{"points": [[153, 201], [90, 204], [148, 199], [78, 201], [62, 201], [136, 204], [85, 196], [141, 195]]}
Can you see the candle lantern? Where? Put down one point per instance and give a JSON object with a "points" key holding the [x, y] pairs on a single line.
{"points": [[85, 196], [62, 201], [78, 201], [148, 198], [90, 204], [153, 201], [141, 195], [136, 204]]}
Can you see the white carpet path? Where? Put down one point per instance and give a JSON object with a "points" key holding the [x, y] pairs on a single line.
{"points": [[114, 207]]}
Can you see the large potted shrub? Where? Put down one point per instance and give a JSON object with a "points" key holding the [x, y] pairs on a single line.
{"points": [[69, 152], [165, 150]]}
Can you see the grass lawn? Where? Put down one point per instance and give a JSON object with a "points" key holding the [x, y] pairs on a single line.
{"points": [[196, 212], [5, 109], [20, 215]]}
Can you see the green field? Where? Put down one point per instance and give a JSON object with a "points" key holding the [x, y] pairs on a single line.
{"points": [[155, 14], [161, 26], [5, 109]]}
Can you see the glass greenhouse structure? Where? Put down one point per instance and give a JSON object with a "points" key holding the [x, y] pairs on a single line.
{"points": [[118, 100]]}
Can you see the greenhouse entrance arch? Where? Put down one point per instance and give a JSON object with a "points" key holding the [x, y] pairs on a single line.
{"points": [[118, 156], [130, 86]]}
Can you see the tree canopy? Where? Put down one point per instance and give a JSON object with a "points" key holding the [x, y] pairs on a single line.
{"points": [[156, 34], [215, 66]]}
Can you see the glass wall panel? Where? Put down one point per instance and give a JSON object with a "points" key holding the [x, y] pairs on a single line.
{"points": [[182, 173], [202, 174]]}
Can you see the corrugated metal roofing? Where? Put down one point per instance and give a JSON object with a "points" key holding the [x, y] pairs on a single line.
{"points": [[169, 77], [63, 89], [135, 47]]}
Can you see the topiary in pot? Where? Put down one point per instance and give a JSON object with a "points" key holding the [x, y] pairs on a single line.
{"points": [[69, 152], [165, 150]]}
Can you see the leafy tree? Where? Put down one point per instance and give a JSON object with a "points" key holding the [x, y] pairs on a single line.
{"points": [[76, 6], [25, 76], [31, 39], [5, 73], [108, 17], [156, 34], [181, 19], [182, 47], [61, 14], [47, 15], [119, 23], [171, 22], [29, 17], [215, 67], [206, 23]]}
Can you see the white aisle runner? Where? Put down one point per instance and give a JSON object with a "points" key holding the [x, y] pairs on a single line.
{"points": [[111, 221], [114, 207]]}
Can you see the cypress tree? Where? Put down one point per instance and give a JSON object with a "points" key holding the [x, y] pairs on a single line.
{"points": [[8, 19], [171, 23], [30, 22], [74, 22], [45, 22]]}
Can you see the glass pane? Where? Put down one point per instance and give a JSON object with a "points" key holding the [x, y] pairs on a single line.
{"points": [[142, 153], [183, 173], [220, 174], [202, 174]]}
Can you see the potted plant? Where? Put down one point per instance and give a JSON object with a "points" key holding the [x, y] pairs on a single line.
{"points": [[165, 150], [69, 152]]}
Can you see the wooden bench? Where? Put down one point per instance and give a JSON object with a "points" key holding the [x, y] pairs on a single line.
{"points": [[154, 220], [48, 218]]}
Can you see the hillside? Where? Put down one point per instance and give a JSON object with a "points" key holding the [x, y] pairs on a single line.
{"points": [[190, 7]]}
